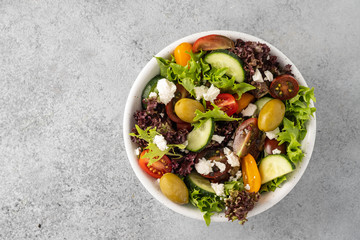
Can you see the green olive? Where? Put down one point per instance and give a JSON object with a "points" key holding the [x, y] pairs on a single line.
{"points": [[271, 115], [174, 188], [185, 109]]}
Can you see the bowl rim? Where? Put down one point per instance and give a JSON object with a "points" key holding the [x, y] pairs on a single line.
{"points": [[267, 200]]}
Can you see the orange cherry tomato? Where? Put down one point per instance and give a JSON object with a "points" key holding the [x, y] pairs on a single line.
{"points": [[244, 101], [158, 168], [251, 174], [181, 57]]}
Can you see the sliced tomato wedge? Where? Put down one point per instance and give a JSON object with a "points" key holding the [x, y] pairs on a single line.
{"points": [[215, 155], [284, 87], [226, 102], [158, 168], [179, 94], [212, 42], [245, 137]]}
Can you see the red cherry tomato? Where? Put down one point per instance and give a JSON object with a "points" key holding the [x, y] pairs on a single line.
{"points": [[284, 87], [273, 144], [245, 137], [212, 42], [226, 102], [158, 168], [181, 57]]}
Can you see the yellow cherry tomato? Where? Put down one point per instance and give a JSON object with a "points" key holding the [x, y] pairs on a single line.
{"points": [[181, 57], [251, 174], [271, 115]]}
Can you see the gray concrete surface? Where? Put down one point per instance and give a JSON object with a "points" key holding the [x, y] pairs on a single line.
{"points": [[65, 71]]}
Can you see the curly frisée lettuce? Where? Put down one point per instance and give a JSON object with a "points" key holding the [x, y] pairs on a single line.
{"points": [[298, 112], [208, 204], [154, 154]]}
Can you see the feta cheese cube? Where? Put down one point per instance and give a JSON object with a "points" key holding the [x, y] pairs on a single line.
{"points": [[204, 166], [232, 159], [257, 77], [153, 95], [211, 93], [249, 110], [218, 138], [200, 91], [273, 134], [269, 76], [166, 90], [247, 187], [137, 151], [276, 151], [160, 142], [218, 188]]}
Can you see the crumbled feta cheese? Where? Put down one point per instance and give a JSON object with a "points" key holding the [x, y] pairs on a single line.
{"points": [[162, 115], [218, 138], [257, 77], [211, 93], [160, 142], [269, 76], [200, 91], [247, 187], [158, 180], [236, 177], [276, 151], [220, 165], [185, 143], [232, 159], [230, 143], [166, 90], [218, 188], [153, 95], [249, 110], [273, 134], [204, 166], [137, 151]]}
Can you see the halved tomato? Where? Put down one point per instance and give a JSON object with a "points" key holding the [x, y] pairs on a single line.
{"points": [[245, 137], [215, 155], [179, 94], [226, 102], [158, 168], [284, 87], [181, 55], [212, 42]]}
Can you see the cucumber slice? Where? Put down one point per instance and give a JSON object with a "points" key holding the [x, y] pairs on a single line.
{"points": [[150, 87], [196, 181], [200, 137], [261, 103], [274, 166], [224, 58]]}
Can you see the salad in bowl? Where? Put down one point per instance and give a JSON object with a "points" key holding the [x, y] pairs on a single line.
{"points": [[220, 126]]}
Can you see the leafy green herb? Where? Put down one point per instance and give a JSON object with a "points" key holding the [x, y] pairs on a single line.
{"points": [[154, 154], [206, 203], [218, 78], [272, 185], [215, 113]]}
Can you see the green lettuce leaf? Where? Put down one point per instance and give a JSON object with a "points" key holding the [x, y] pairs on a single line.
{"points": [[215, 114], [272, 185], [208, 204], [218, 78], [189, 76], [154, 154], [233, 185]]}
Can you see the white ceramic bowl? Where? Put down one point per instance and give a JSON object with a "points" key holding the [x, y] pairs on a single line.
{"points": [[133, 103]]}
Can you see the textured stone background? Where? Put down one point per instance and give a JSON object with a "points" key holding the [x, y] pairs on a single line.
{"points": [[65, 71]]}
